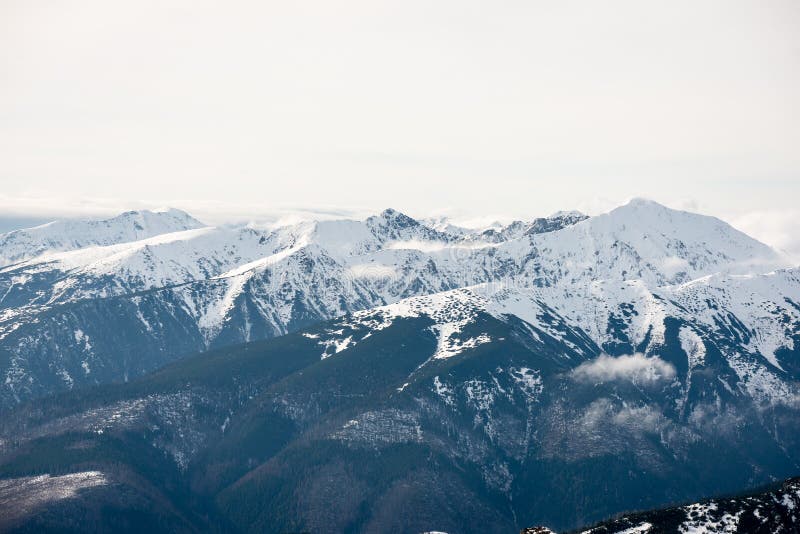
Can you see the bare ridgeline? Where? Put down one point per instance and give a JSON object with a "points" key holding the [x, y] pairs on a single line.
{"points": [[396, 375]]}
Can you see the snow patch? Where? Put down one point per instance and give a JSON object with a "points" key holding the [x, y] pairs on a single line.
{"points": [[444, 391], [338, 345], [693, 346], [529, 381]]}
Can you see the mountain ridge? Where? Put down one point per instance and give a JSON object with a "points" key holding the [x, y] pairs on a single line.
{"points": [[239, 284], [378, 382], [325, 374], [63, 235]]}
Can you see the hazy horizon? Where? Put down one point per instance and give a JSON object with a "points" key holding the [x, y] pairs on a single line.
{"points": [[774, 229], [512, 110]]}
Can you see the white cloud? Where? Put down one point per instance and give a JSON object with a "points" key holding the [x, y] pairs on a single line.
{"points": [[416, 244], [603, 411], [434, 246], [372, 271], [636, 368], [673, 265], [778, 228]]}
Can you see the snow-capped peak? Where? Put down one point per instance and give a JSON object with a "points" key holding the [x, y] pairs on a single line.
{"points": [[68, 234], [644, 240]]}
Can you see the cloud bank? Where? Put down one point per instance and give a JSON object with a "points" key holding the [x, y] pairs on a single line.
{"points": [[636, 368], [778, 228]]}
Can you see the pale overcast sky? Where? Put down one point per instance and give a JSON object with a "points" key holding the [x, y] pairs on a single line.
{"points": [[478, 108]]}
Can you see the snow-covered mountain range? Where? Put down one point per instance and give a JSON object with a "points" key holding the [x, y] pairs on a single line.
{"points": [[78, 297], [494, 377]]}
